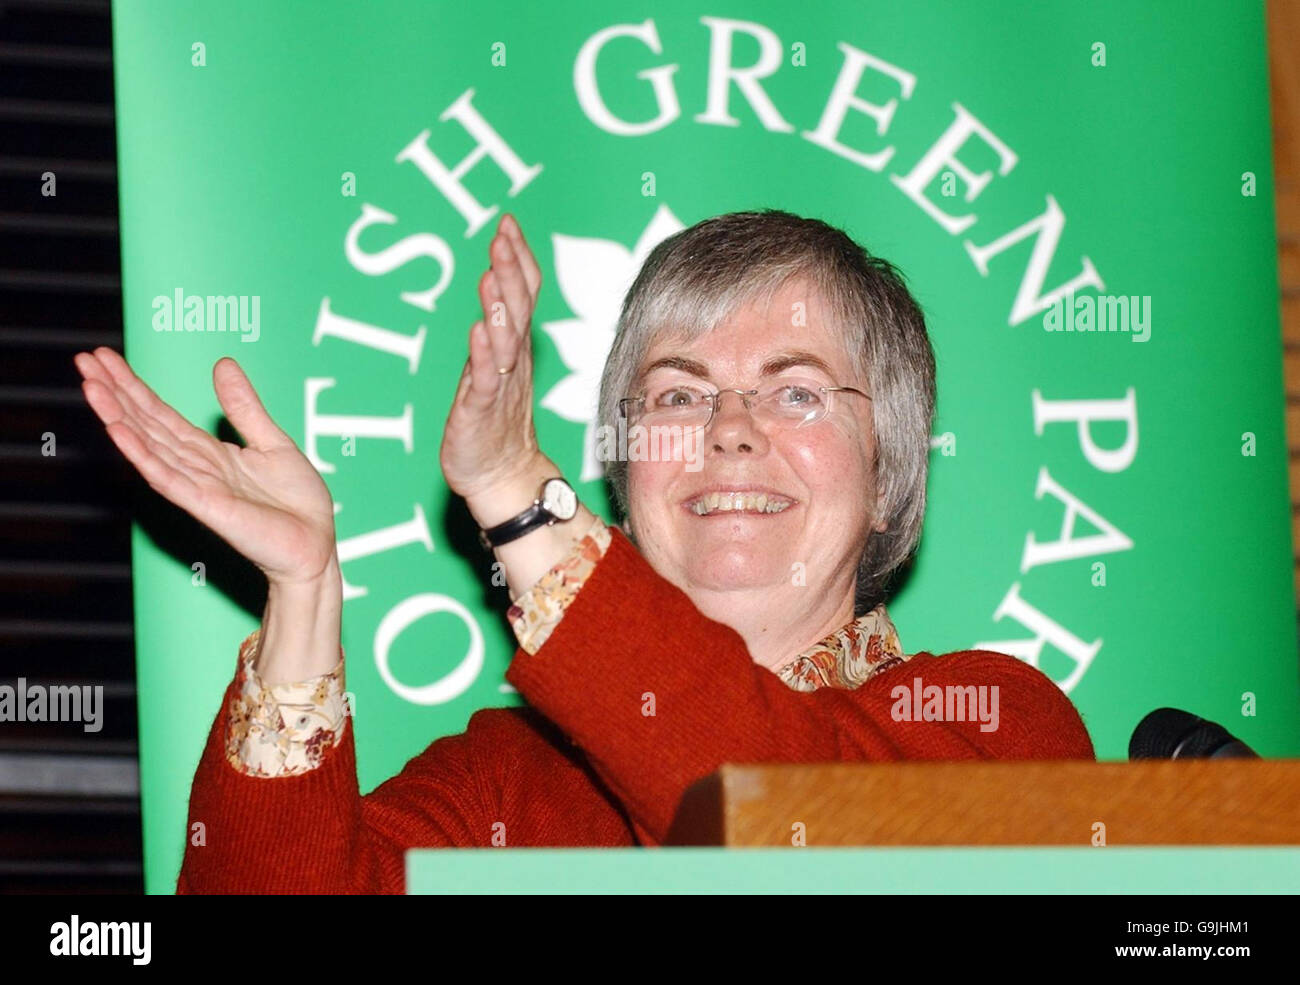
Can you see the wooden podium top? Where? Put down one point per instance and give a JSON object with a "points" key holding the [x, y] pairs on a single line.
{"points": [[1150, 802]]}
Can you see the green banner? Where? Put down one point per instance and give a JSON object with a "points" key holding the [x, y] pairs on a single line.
{"points": [[311, 188], [973, 871]]}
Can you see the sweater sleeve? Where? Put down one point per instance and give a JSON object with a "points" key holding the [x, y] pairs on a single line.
{"points": [[659, 696], [293, 742], [312, 831]]}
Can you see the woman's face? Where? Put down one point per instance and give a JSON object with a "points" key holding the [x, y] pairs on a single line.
{"points": [[822, 470]]}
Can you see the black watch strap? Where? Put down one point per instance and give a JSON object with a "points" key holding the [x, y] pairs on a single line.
{"points": [[514, 528]]}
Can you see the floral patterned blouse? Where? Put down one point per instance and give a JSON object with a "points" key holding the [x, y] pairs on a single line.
{"points": [[284, 729]]}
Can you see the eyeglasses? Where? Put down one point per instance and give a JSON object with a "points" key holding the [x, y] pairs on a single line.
{"points": [[784, 404]]}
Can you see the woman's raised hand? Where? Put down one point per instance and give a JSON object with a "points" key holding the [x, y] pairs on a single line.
{"points": [[266, 500], [489, 446], [489, 443]]}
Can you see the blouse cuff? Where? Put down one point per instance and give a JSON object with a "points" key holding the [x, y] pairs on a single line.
{"points": [[536, 613], [282, 729]]}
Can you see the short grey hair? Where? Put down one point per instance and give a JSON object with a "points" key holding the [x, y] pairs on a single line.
{"points": [[697, 278]]}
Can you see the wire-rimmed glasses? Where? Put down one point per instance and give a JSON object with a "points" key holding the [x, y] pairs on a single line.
{"points": [[785, 403]]}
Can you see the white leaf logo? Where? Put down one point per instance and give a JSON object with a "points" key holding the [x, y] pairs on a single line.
{"points": [[594, 275]]}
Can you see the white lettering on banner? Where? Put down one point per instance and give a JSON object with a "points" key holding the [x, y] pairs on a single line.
{"points": [[661, 82], [1046, 631], [865, 84], [412, 531], [489, 144], [356, 426], [939, 158], [722, 73], [409, 347], [943, 157], [1029, 297], [844, 98], [402, 615], [1068, 547], [399, 255], [1085, 413]]}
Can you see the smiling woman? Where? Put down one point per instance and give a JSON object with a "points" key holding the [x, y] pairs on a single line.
{"points": [[649, 653], [769, 296]]}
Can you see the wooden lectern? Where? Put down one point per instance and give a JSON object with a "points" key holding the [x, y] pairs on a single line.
{"points": [[1149, 802]]}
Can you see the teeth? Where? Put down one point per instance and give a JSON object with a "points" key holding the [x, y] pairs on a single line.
{"points": [[736, 502]]}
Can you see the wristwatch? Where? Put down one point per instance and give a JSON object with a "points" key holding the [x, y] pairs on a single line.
{"points": [[555, 503]]}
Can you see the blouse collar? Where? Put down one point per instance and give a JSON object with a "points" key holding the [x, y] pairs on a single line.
{"points": [[849, 656]]}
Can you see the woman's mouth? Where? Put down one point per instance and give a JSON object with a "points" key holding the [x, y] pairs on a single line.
{"points": [[737, 501]]}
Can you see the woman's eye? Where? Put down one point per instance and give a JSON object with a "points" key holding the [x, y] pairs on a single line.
{"points": [[796, 396], [677, 397]]}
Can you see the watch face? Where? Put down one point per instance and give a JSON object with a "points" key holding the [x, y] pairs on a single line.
{"points": [[559, 499]]}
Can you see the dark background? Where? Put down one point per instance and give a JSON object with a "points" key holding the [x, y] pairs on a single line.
{"points": [[69, 799]]}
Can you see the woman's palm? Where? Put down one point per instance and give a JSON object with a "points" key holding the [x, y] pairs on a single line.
{"points": [[266, 500]]}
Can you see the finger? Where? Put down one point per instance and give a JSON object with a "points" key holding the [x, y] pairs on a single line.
{"points": [[108, 393], [532, 272], [501, 333], [108, 412], [244, 408], [532, 275], [144, 410], [482, 375], [112, 406], [466, 380], [90, 368], [107, 402], [144, 401], [510, 279], [104, 402], [165, 454], [162, 478]]}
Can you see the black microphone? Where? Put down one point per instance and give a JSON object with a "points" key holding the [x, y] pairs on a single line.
{"points": [[1168, 733]]}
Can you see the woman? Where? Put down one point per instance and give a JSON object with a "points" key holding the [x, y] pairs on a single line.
{"points": [[747, 624]]}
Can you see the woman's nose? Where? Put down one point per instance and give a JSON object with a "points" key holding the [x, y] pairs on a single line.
{"points": [[733, 428]]}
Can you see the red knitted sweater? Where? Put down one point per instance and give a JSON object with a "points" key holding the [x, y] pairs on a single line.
{"points": [[582, 765]]}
